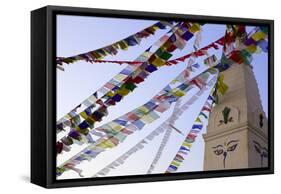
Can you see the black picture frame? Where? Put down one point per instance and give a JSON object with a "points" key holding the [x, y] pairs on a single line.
{"points": [[43, 97]]}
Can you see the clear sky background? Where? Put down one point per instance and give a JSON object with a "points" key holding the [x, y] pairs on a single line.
{"points": [[77, 34]]}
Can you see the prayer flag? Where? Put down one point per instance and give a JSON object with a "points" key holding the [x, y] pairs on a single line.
{"points": [[187, 35], [258, 36], [194, 28], [158, 62], [197, 126], [151, 68]]}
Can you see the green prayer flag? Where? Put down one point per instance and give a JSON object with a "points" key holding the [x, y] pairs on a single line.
{"points": [[130, 86], [163, 54]]}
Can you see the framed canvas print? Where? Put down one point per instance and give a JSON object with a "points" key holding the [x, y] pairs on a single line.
{"points": [[125, 96]]}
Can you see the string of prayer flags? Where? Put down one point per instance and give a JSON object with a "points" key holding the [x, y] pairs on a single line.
{"points": [[166, 55], [106, 91], [112, 49], [233, 33], [117, 62], [199, 52], [258, 39], [160, 129], [176, 112], [177, 40], [110, 145], [114, 132], [113, 96], [143, 111], [190, 138], [242, 53], [169, 129], [233, 39]]}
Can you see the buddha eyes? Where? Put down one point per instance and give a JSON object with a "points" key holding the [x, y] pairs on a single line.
{"points": [[218, 151], [231, 148], [226, 147]]}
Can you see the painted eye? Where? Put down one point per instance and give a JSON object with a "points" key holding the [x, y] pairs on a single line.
{"points": [[232, 148], [218, 152]]}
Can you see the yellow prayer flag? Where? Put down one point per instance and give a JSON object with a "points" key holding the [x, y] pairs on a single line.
{"points": [[120, 77], [258, 35], [115, 126], [123, 91], [96, 55], [106, 144], [158, 62], [110, 94], [143, 109], [123, 45], [221, 78], [198, 120], [179, 93], [84, 115], [222, 87], [175, 163], [155, 28], [194, 28], [115, 45], [150, 117], [82, 132], [252, 48], [185, 144]]}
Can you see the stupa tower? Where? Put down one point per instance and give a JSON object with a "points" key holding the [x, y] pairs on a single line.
{"points": [[237, 132]]}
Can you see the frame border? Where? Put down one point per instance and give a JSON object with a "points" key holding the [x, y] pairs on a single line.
{"points": [[43, 40]]}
